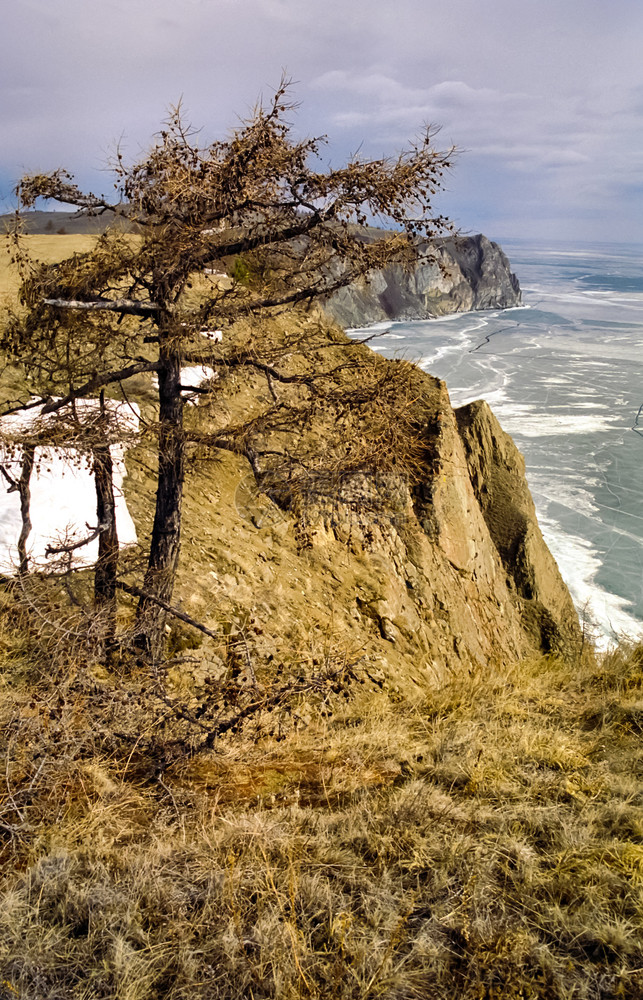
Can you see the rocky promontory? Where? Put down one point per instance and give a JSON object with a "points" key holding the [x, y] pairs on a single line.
{"points": [[427, 575], [457, 275]]}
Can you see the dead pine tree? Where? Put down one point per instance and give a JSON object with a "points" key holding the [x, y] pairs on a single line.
{"points": [[256, 206]]}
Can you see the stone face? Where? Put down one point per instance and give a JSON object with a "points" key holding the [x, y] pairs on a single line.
{"points": [[467, 273], [485, 588], [497, 474], [458, 579]]}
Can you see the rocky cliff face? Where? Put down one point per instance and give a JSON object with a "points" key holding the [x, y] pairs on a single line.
{"points": [[467, 273], [458, 577], [497, 475]]}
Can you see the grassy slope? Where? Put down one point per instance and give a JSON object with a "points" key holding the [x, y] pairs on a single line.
{"points": [[46, 248], [485, 841]]}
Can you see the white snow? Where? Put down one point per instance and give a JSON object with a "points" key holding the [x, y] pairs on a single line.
{"points": [[194, 375], [63, 497]]}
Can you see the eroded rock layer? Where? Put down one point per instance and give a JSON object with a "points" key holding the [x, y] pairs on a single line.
{"points": [[497, 473]]}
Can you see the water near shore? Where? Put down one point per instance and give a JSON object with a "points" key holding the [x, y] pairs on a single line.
{"points": [[564, 375]]}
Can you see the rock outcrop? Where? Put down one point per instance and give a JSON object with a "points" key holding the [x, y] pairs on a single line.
{"points": [[466, 273], [456, 577], [497, 473]]}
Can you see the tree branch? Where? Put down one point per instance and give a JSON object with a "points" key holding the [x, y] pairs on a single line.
{"points": [[265, 369], [311, 291], [129, 307], [96, 383], [72, 546], [195, 389], [129, 588], [247, 243], [13, 483]]}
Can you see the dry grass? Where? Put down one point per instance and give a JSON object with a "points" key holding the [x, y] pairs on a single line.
{"points": [[485, 844], [46, 248]]}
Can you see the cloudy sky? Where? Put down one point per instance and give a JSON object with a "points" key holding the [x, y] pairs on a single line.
{"points": [[543, 98]]}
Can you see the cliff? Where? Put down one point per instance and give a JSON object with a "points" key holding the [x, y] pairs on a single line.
{"points": [[420, 575], [416, 577], [465, 273], [497, 474]]}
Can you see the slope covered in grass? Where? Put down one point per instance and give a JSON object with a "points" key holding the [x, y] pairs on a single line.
{"points": [[358, 828], [48, 248], [486, 842]]}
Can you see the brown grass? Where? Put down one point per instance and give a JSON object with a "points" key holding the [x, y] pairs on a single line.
{"points": [[487, 843], [46, 248], [49, 249], [484, 843]]}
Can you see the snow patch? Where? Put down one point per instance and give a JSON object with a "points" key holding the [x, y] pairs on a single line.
{"points": [[63, 496]]}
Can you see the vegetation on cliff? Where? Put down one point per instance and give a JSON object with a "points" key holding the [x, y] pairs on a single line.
{"points": [[254, 207], [393, 824]]}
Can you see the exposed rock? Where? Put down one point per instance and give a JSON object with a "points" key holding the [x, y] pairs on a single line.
{"points": [[456, 577], [467, 273], [497, 472]]}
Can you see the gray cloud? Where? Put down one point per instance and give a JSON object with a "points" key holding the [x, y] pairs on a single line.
{"points": [[544, 98]]}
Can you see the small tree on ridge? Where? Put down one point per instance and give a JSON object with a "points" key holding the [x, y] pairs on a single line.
{"points": [[252, 206]]}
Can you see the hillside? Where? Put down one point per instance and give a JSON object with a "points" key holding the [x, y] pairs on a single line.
{"points": [[406, 567], [389, 767], [461, 274], [483, 841], [39, 223], [49, 248]]}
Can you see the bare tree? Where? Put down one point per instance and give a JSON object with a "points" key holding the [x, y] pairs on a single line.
{"points": [[252, 206], [22, 486], [79, 436]]}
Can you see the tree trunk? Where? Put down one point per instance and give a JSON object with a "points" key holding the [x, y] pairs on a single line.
{"points": [[24, 489], [107, 564], [166, 532]]}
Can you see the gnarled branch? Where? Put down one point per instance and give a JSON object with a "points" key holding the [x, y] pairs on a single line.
{"points": [[97, 383], [127, 307]]}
